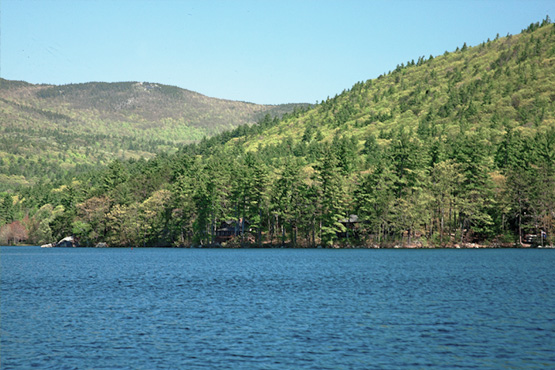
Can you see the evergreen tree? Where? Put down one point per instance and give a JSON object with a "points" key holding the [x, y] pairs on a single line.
{"points": [[332, 197], [375, 197]]}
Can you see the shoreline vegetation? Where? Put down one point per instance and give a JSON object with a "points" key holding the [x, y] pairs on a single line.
{"points": [[70, 242], [452, 150], [276, 246]]}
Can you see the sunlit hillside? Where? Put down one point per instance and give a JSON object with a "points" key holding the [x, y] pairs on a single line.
{"points": [[47, 131], [486, 90]]}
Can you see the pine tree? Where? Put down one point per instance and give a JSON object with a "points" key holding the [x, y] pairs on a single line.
{"points": [[333, 198], [374, 200]]}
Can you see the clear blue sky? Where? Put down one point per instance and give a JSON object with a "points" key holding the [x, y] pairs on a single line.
{"points": [[264, 51]]}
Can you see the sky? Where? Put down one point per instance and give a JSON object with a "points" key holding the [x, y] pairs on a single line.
{"points": [[263, 51]]}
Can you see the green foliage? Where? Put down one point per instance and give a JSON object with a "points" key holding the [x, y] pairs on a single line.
{"points": [[452, 149], [332, 197]]}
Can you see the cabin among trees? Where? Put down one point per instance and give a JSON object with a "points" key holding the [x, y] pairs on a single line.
{"points": [[350, 228], [229, 229]]}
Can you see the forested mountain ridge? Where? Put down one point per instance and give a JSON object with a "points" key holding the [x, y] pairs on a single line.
{"points": [[503, 84], [49, 130], [442, 151]]}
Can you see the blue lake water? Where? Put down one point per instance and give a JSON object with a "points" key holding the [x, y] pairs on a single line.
{"points": [[276, 309]]}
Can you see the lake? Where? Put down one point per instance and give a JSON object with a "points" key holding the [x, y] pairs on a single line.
{"points": [[276, 309]]}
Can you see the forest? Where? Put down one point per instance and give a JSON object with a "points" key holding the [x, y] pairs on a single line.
{"points": [[447, 151]]}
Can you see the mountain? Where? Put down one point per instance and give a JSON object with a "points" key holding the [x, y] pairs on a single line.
{"points": [[500, 85], [47, 130], [452, 150]]}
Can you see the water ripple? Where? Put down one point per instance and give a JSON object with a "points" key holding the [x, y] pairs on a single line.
{"points": [[276, 309]]}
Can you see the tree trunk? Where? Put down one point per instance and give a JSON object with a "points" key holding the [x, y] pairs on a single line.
{"points": [[313, 234], [519, 228], [441, 226], [213, 229], [260, 228], [452, 216], [462, 229]]}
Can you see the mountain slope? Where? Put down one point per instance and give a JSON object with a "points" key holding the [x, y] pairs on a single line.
{"points": [[48, 129], [499, 85]]}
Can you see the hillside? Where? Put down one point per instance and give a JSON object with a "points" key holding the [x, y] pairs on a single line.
{"points": [[46, 131], [449, 150], [500, 85]]}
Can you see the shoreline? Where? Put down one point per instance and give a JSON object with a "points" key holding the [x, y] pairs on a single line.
{"points": [[216, 246]]}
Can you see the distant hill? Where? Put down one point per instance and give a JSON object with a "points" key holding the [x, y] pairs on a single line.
{"points": [[46, 130]]}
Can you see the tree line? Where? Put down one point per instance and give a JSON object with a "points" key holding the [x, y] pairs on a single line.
{"points": [[432, 193]]}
